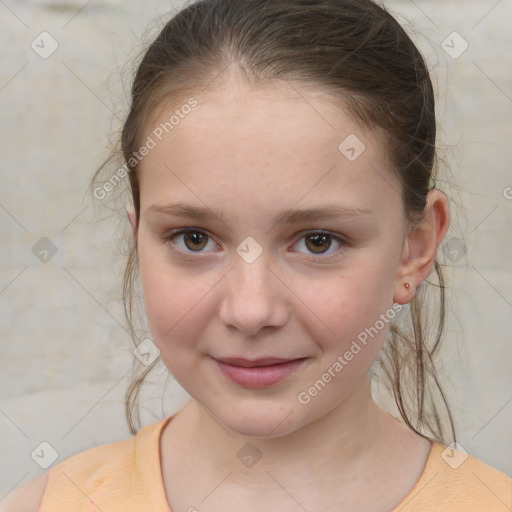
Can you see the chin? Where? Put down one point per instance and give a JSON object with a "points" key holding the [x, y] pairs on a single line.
{"points": [[258, 419]]}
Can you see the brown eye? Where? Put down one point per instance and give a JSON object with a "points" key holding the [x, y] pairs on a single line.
{"points": [[318, 242], [194, 240]]}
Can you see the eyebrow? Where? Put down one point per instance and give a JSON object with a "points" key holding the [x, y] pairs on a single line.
{"points": [[291, 216]]}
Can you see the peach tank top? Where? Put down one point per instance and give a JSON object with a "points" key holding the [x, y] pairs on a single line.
{"points": [[126, 476]]}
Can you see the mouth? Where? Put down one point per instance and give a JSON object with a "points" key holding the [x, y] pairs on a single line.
{"points": [[258, 373], [248, 363]]}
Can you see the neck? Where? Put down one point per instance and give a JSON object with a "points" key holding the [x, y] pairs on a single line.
{"points": [[347, 439]]}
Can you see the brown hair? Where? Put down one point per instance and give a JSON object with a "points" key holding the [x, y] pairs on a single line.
{"points": [[355, 51]]}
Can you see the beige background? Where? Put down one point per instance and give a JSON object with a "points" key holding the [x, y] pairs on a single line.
{"points": [[66, 357]]}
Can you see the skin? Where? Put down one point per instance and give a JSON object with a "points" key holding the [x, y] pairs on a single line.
{"points": [[250, 153]]}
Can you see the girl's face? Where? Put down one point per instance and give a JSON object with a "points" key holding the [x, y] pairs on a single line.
{"points": [[250, 281]]}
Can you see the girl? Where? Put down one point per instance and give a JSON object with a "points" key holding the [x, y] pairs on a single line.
{"points": [[280, 158]]}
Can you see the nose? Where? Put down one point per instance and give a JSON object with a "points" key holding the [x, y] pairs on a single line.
{"points": [[254, 296]]}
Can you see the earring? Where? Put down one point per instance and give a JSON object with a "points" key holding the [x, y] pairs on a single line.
{"points": [[407, 285]]}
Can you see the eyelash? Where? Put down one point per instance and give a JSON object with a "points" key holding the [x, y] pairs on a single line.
{"points": [[169, 237]]}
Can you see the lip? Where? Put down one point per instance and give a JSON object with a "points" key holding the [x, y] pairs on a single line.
{"points": [[249, 363], [258, 373]]}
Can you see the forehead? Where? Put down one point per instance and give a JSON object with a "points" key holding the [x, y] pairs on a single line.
{"points": [[279, 143]]}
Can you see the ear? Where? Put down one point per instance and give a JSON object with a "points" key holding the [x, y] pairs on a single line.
{"points": [[130, 210], [420, 246]]}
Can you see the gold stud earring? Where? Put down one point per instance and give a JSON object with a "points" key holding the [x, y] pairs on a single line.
{"points": [[407, 285]]}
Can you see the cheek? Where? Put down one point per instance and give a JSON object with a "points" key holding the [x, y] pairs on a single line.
{"points": [[168, 294], [175, 300], [343, 314], [344, 301]]}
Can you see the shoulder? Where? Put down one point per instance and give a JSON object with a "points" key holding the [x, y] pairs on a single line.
{"points": [[109, 476], [27, 498], [90, 467], [87, 467], [455, 480]]}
